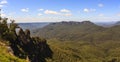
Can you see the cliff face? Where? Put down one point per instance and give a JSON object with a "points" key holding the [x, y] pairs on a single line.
{"points": [[23, 45], [34, 48]]}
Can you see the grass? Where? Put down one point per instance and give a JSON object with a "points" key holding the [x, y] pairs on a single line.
{"points": [[6, 56]]}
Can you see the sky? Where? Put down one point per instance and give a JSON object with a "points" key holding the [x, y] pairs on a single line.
{"points": [[61, 10]]}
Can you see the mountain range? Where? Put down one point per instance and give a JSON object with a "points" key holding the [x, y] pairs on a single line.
{"points": [[82, 41], [59, 42], [76, 31]]}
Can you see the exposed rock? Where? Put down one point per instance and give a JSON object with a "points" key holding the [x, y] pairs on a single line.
{"points": [[10, 51], [27, 33], [87, 22], [22, 44], [34, 48]]}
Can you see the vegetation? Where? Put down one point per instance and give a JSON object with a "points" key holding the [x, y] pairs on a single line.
{"points": [[82, 51], [76, 31], [68, 42], [68, 30], [21, 44], [6, 56], [82, 42]]}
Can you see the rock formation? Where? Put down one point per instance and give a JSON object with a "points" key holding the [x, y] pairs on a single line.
{"points": [[22, 44]]}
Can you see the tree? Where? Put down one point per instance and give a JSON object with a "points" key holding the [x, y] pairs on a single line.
{"points": [[4, 30]]}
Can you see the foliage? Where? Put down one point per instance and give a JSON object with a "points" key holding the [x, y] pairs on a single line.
{"points": [[68, 30], [6, 56], [82, 42], [70, 42], [82, 51], [76, 31], [22, 44]]}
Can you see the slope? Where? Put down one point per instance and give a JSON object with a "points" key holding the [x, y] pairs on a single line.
{"points": [[6, 55], [81, 51], [68, 30]]}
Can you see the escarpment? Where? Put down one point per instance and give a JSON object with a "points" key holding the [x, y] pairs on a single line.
{"points": [[23, 45]]}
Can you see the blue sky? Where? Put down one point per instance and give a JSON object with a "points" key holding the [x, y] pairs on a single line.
{"points": [[61, 10]]}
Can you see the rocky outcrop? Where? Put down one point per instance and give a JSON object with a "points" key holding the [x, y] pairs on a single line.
{"points": [[35, 48], [22, 45], [73, 23]]}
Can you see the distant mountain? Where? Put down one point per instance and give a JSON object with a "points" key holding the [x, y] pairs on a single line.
{"points": [[117, 23], [68, 30], [105, 24], [94, 43], [42, 24]]}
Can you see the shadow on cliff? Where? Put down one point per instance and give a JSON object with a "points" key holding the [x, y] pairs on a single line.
{"points": [[34, 48], [22, 44]]}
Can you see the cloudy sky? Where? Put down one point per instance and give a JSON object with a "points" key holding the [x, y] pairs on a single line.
{"points": [[61, 10]]}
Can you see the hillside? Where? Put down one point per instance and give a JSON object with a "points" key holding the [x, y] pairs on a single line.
{"points": [[6, 55], [94, 43], [68, 30], [21, 45], [81, 51], [76, 31]]}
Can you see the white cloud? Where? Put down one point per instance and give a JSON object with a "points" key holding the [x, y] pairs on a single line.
{"points": [[101, 15], [68, 14], [39, 14], [89, 10], [3, 2], [65, 10], [86, 10], [3, 15], [1, 6], [25, 10], [100, 5], [50, 12], [40, 9]]}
